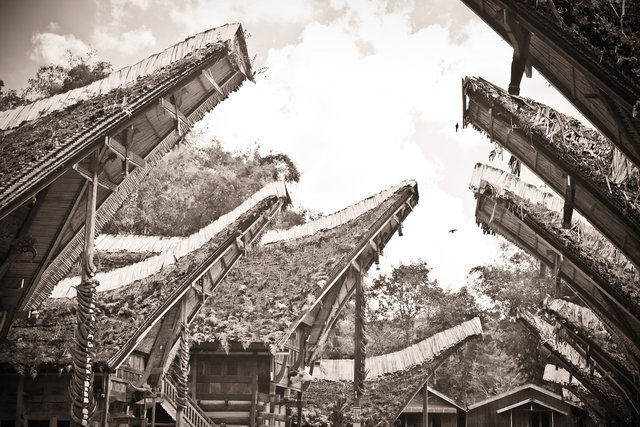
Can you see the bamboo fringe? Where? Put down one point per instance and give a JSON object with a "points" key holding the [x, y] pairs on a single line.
{"points": [[555, 374], [65, 261], [424, 351], [502, 182], [150, 266], [120, 78], [576, 314], [334, 220]]}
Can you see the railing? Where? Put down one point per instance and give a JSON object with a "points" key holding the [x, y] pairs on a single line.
{"points": [[192, 413]]}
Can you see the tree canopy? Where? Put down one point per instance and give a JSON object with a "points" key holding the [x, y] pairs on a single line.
{"points": [[52, 79]]}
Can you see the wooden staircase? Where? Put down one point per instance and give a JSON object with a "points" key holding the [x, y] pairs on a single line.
{"points": [[192, 414]]}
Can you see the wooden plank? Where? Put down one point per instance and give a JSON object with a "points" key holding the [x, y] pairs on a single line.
{"points": [[254, 390]]}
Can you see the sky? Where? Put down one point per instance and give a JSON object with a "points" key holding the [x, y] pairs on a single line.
{"points": [[360, 94]]}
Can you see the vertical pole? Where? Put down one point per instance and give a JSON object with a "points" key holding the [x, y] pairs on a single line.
{"points": [[153, 413], [254, 390], [299, 409], [19, 401], [53, 422], [194, 375], [360, 349], [107, 396], [81, 384], [425, 406], [183, 366]]}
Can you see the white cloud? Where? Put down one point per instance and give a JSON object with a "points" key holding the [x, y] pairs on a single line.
{"points": [[53, 27], [119, 8], [198, 15], [364, 101], [128, 42], [55, 48]]}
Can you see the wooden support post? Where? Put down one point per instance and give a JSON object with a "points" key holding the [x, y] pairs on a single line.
{"points": [[569, 195], [359, 348], [153, 412], [425, 406], [81, 384], [299, 405], [520, 38], [254, 391], [107, 396], [287, 410], [19, 401]]}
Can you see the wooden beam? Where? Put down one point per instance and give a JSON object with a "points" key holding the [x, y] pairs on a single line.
{"points": [[102, 182], [569, 196], [176, 113], [124, 152], [206, 73]]}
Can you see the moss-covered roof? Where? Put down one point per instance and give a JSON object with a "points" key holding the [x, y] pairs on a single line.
{"points": [[583, 152], [385, 397], [39, 147], [605, 30], [619, 281], [47, 336], [276, 282]]}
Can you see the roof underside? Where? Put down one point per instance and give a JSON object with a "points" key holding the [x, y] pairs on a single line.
{"points": [[572, 360], [582, 57], [612, 297], [555, 146], [47, 337], [43, 188]]}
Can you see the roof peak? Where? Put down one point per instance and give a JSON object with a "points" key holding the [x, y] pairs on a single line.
{"points": [[124, 76]]}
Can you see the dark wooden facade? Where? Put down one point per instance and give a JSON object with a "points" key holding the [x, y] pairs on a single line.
{"points": [[443, 411], [526, 406]]}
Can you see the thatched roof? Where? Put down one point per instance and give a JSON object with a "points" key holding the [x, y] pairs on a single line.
{"points": [[280, 283], [591, 251], [586, 325], [572, 360], [588, 51], [124, 310], [129, 121], [606, 186], [395, 384]]}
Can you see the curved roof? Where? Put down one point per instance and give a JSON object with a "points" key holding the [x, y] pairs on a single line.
{"points": [[589, 53], [553, 146], [125, 314], [388, 394], [45, 162], [284, 283]]}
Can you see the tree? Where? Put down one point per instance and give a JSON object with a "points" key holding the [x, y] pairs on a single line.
{"points": [[191, 187], [406, 294], [79, 71], [11, 99], [511, 283]]}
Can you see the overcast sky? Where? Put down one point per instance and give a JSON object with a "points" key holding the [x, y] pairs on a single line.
{"points": [[361, 95]]}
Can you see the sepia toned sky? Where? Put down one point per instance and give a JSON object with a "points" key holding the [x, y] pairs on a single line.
{"points": [[360, 95]]}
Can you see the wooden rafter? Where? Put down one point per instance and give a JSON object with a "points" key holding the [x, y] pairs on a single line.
{"points": [[575, 74], [549, 166], [583, 282]]}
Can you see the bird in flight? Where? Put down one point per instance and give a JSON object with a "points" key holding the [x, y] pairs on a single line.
{"points": [[453, 230]]}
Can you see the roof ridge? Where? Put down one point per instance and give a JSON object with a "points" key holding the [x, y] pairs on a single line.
{"points": [[335, 219], [125, 275], [405, 358], [118, 78]]}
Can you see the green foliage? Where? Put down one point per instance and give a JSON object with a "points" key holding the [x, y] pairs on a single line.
{"points": [[511, 283], [190, 188], [11, 99], [54, 79], [404, 295]]}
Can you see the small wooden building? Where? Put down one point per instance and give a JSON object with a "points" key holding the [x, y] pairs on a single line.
{"points": [[443, 411], [526, 406]]}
